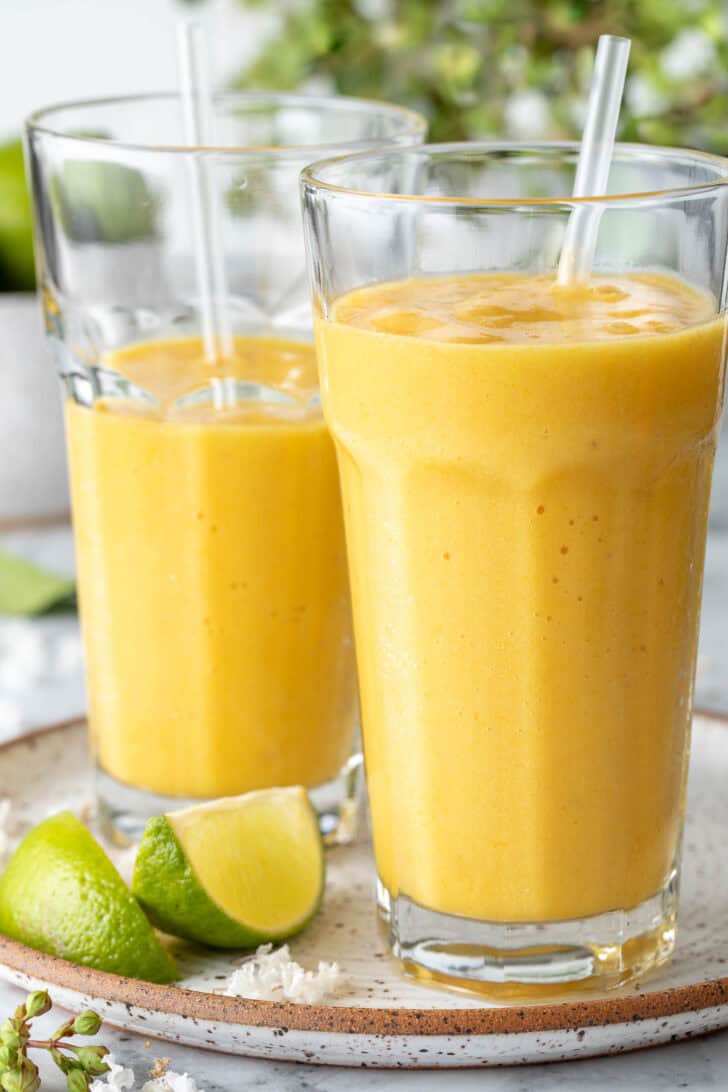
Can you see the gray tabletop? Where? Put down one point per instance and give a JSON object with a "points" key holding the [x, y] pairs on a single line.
{"points": [[45, 684]]}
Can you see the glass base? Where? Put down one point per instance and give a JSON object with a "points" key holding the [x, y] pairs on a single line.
{"points": [[507, 960], [124, 810], [384, 903]]}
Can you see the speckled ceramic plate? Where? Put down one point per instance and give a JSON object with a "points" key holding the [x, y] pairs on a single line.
{"points": [[381, 1019]]}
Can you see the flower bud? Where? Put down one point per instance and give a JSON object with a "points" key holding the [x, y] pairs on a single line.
{"points": [[64, 1030], [37, 1003], [92, 1059], [87, 1023], [64, 1063], [77, 1081]]}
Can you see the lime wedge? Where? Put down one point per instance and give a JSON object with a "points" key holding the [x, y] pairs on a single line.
{"points": [[17, 270], [235, 872], [26, 589], [61, 894]]}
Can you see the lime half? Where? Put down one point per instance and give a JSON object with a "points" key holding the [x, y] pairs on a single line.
{"points": [[61, 894], [235, 872]]}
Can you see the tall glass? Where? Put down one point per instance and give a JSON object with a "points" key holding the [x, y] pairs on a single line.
{"points": [[212, 572], [526, 473]]}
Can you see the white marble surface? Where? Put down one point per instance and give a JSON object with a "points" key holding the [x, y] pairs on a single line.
{"points": [[698, 1065]]}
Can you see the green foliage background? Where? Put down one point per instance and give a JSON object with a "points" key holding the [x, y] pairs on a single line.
{"points": [[466, 63]]}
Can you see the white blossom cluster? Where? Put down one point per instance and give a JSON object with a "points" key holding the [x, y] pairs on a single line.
{"points": [[121, 1079]]}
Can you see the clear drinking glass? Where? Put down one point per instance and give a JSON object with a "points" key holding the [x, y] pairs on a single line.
{"points": [[213, 584], [525, 476]]}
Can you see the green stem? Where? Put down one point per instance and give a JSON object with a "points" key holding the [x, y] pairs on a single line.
{"points": [[48, 1044]]}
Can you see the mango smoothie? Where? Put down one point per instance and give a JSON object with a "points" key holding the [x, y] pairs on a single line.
{"points": [[525, 473], [212, 574]]}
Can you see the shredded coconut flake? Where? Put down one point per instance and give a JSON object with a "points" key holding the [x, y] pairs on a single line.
{"points": [[273, 976]]}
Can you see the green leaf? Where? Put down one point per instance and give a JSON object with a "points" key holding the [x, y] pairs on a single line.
{"points": [[27, 590], [17, 272]]}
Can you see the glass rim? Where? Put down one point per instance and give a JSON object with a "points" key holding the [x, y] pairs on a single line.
{"points": [[414, 125], [311, 178]]}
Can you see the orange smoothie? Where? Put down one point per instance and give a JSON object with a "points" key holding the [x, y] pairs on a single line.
{"points": [[526, 473], [212, 576]]}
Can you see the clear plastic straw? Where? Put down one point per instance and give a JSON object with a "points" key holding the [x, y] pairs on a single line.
{"points": [[595, 157], [206, 222]]}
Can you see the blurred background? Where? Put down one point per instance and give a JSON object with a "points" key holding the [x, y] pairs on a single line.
{"points": [[476, 68], [514, 69]]}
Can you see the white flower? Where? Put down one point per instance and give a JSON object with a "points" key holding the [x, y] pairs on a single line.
{"points": [[118, 1078], [181, 1082], [690, 53], [526, 115], [172, 1082], [644, 99], [273, 976]]}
